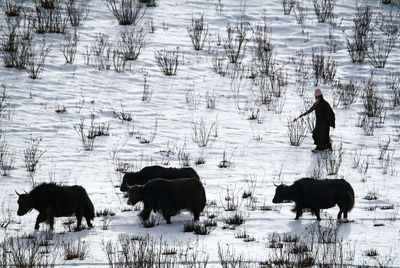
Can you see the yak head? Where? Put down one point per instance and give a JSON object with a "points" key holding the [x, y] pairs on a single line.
{"points": [[124, 185], [282, 193], [135, 194], [24, 204]]}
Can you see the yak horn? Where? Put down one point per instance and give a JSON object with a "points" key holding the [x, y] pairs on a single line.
{"points": [[17, 193], [276, 185]]}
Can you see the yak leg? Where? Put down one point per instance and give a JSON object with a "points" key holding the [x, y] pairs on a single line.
{"points": [[145, 213], [339, 215], [90, 225], [50, 217], [299, 212], [79, 220], [196, 215], [316, 212], [167, 215], [40, 218]]}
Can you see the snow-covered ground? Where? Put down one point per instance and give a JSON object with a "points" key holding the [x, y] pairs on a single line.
{"points": [[259, 150]]}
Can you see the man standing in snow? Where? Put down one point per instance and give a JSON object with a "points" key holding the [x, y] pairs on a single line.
{"points": [[325, 118]]}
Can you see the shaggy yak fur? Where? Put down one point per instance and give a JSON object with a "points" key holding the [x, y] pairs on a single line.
{"points": [[315, 194], [169, 197], [53, 200], [151, 172]]}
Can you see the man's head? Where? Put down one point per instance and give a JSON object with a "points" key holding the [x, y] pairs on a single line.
{"points": [[318, 93]]}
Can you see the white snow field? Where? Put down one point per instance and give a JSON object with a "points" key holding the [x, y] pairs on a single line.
{"points": [[246, 132]]}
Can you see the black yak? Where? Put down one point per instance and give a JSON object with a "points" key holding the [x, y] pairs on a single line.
{"points": [[151, 172], [169, 197], [315, 194], [52, 200]]}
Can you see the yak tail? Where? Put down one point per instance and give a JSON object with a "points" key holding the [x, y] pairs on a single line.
{"points": [[350, 198]]}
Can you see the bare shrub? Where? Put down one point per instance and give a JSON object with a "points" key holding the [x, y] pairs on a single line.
{"points": [[357, 43], [77, 12], [324, 9], [118, 61], [23, 252], [183, 156], [147, 92], [232, 200], [33, 153], [15, 50], [226, 162], [198, 32], [379, 49], [389, 22], [12, 8], [373, 102], [127, 12], [229, 258], [7, 157], [235, 41], [168, 60], [393, 83], [387, 162], [201, 133], [219, 65], [68, 48], [142, 252], [296, 131], [101, 50], [132, 42], [50, 20], [300, 12], [218, 5], [302, 72], [86, 136], [324, 68], [149, 3], [78, 251], [333, 159], [287, 6], [122, 115], [6, 108], [264, 58], [346, 94], [37, 56]]}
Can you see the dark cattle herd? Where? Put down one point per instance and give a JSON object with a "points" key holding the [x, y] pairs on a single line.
{"points": [[170, 190]]}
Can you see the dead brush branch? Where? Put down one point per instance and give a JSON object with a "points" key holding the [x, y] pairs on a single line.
{"points": [[198, 32], [168, 60], [264, 58], [357, 43], [324, 9], [12, 8], [324, 68], [50, 20], [37, 56], [296, 131], [235, 41], [379, 49], [127, 12], [201, 133], [68, 48], [346, 94], [287, 6], [77, 12], [302, 72], [393, 83], [373, 103], [333, 160], [132, 42]]}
